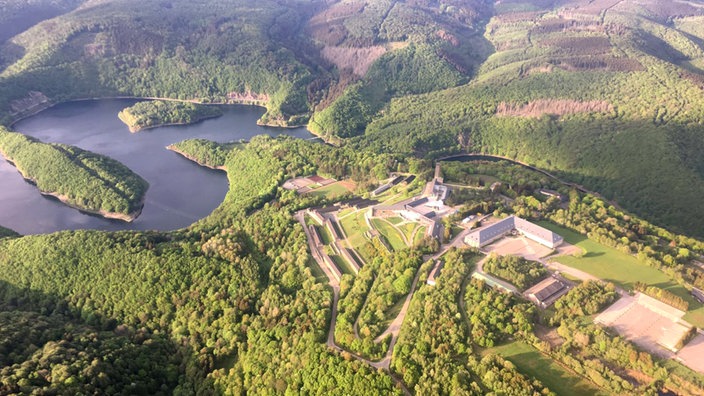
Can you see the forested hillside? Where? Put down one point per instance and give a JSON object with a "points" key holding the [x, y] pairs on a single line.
{"points": [[219, 51], [607, 94], [604, 93], [79, 178], [228, 305]]}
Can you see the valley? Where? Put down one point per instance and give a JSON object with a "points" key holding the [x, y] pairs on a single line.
{"points": [[422, 197]]}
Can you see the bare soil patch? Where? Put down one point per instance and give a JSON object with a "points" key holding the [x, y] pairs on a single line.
{"points": [[558, 107]]}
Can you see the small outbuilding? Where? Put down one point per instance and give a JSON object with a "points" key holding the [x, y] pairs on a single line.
{"points": [[545, 293]]}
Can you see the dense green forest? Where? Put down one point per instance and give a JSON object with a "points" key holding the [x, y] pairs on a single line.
{"points": [[155, 113], [80, 178], [206, 152], [235, 304], [233, 294]]}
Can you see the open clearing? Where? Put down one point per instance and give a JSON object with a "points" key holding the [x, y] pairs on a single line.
{"points": [[622, 269], [531, 362], [390, 233], [648, 323], [518, 246], [332, 190]]}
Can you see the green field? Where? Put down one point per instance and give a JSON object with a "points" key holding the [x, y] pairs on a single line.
{"points": [[407, 230], [390, 233], [355, 227], [324, 234], [395, 220], [533, 363], [330, 191], [342, 264], [622, 269], [418, 237]]}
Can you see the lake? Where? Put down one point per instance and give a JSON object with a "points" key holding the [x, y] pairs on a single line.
{"points": [[180, 192]]}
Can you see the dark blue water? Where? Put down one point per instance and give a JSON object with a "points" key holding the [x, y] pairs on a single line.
{"points": [[180, 192]]}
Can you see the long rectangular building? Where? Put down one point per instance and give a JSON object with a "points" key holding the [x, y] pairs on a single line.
{"points": [[490, 233]]}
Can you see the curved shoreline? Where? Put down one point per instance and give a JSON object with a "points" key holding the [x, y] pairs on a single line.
{"points": [[145, 128], [128, 218], [49, 104], [173, 148]]}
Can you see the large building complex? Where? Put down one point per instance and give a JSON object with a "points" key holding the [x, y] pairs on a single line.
{"points": [[490, 233]]}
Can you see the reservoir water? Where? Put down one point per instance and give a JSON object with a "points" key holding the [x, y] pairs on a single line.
{"points": [[180, 192]]}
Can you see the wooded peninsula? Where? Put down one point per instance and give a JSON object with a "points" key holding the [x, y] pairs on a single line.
{"points": [[84, 180], [152, 114]]}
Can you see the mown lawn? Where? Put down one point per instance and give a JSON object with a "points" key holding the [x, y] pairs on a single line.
{"points": [[391, 234], [355, 227], [330, 191], [419, 235], [407, 230], [623, 269], [533, 363]]}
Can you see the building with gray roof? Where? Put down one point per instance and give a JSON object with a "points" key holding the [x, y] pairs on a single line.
{"points": [[490, 233]]}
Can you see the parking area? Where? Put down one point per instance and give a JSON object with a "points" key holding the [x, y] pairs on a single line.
{"points": [[692, 355], [518, 246], [648, 323]]}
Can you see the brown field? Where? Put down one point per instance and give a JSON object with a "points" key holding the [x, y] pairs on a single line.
{"points": [[558, 107], [605, 63], [356, 59], [579, 45], [327, 26]]}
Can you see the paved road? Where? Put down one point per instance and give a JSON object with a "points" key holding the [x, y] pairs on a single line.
{"points": [[382, 364]]}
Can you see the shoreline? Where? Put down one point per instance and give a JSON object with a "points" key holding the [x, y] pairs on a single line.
{"points": [[145, 128], [49, 104], [128, 218], [173, 148]]}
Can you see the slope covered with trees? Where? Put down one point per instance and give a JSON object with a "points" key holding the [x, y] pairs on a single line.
{"points": [[214, 52], [79, 178]]}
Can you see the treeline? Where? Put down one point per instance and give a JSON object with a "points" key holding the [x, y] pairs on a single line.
{"points": [[6, 232], [516, 270], [391, 286], [353, 292], [206, 152], [83, 179], [149, 114], [663, 295], [233, 293]]}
